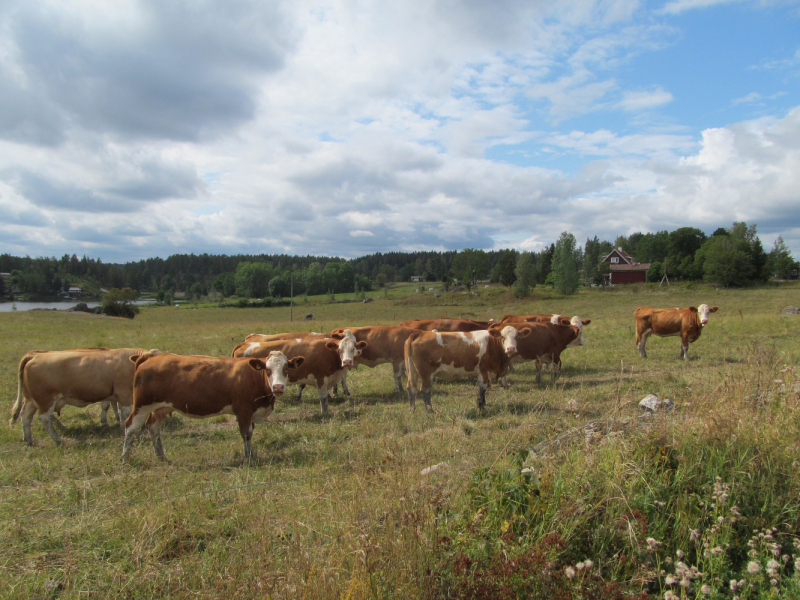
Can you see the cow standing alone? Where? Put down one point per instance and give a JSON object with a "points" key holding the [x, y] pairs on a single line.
{"points": [[687, 323]]}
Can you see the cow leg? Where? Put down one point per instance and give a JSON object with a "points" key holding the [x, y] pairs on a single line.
{"points": [[426, 397], [538, 370], [323, 398], [46, 420], [123, 412], [481, 395], [133, 423], [155, 436], [104, 406], [398, 379], [510, 369], [556, 367], [300, 389], [57, 422], [28, 410], [345, 389], [246, 427], [685, 349], [644, 336]]}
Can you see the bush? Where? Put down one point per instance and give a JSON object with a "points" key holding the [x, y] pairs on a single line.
{"points": [[118, 303]]}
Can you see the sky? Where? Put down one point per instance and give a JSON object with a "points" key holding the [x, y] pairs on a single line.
{"points": [[135, 129]]}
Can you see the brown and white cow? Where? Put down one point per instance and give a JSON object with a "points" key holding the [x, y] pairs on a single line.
{"points": [[554, 319], [385, 344], [448, 325], [49, 380], [687, 323], [205, 386], [297, 335], [450, 355], [326, 360], [546, 342]]}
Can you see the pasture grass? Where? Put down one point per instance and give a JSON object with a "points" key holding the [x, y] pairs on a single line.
{"points": [[337, 507]]}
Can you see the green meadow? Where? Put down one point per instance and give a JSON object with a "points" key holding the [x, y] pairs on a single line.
{"points": [[557, 490]]}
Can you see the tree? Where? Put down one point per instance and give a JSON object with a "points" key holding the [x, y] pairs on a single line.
{"points": [[780, 262], [525, 273], [566, 259], [252, 279], [505, 269], [471, 265], [225, 284], [725, 262], [119, 303]]}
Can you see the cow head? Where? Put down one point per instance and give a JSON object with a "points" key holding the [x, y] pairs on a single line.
{"points": [[577, 323], [509, 335], [340, 334], [703, 311], [347, 347], [277, 369]]}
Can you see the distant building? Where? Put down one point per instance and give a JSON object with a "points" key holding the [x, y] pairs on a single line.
{"points": [[74, 292], [416, 278], [624, 269]]}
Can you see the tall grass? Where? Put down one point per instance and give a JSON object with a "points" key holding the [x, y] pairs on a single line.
{"points": [[337, 507]]}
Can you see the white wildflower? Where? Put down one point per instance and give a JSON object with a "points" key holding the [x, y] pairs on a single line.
{"points": [[753, 567], [569, 572], [705, 590]]}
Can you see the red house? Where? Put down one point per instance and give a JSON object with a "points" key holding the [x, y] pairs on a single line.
{"points": [[624, 269]]}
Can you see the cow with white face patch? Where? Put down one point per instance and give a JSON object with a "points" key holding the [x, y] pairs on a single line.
{"points": [[201, 387], [51, 379], [547, 341], [687, 323], [482, 355], [326, 360], [554, 319]]}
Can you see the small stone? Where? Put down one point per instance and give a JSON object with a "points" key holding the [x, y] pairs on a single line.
{"points": [[653, 403], [790, 310], [433, 468]]}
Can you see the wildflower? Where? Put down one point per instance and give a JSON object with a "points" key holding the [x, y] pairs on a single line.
{"points": [[670, 580], [720, 519], [679, 553], [716, 551], [753, 567], [773, 564], [685, 582], [785, 558], [773, 582], [705, 590], [579, 566], [670, 596], [653, 543], [569, 572], [588, 564], [694, 535], [733, 585]]}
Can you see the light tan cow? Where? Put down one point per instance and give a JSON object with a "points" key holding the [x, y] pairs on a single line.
{"points": [[687, 323], [476, 354], [49, 380], [554, 319]]}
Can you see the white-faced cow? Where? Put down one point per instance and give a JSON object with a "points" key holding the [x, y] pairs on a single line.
{"points": [[49, 380], [478, 354], [204, 386], [546, 342], [326, 360], [385, 344], [297, 336], [687, 323]]}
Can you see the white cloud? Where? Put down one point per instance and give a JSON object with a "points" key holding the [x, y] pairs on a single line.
{"points": [[633, 101]]}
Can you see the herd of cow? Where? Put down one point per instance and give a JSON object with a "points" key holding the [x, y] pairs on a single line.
{"points": [[144, 386]]}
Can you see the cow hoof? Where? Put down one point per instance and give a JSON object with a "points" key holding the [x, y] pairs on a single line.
{"points": [[429, 409]]}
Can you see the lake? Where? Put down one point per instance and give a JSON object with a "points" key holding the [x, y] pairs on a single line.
{"points": [[22, 306]]}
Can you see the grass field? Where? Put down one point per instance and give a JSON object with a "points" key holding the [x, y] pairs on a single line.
{"points": [[337, 507]]}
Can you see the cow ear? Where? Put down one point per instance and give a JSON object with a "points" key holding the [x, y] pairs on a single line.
{"points": [[258, 365], [332, 345], [361, 345], [524, 332], [134, 357], [714, 309], [693, 308], [338, 334], [296, 362], [586, 321], [494, 333]]}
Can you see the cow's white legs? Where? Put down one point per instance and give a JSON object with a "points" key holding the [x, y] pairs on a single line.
{"points": [[300, 389], [57, 422], [481, 392], [155, 437], [398, 378], [345, 389], [122, 415], [645, 335], [247, 437], [28, 410], [323, 398], [104, 406], [46, 420], [137, 420], [685, 352]]}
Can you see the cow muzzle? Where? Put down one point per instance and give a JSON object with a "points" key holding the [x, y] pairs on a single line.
{"points": [[510, 350], [347, 363], [277, 389]]}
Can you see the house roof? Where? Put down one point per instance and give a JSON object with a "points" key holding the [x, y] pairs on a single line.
{"points": [[624, 255], [634, 267]]}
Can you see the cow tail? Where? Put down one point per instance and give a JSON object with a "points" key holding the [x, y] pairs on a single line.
{"points": [[15, 410]]}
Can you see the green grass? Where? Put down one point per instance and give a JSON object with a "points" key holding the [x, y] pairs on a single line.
{"points": [[337, 508]]}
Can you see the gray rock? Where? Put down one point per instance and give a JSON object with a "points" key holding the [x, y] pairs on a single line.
{"points": [[790, 310], [653, 403]]}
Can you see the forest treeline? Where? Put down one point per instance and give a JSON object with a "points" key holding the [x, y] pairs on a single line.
{"points": [[730, 256]]}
